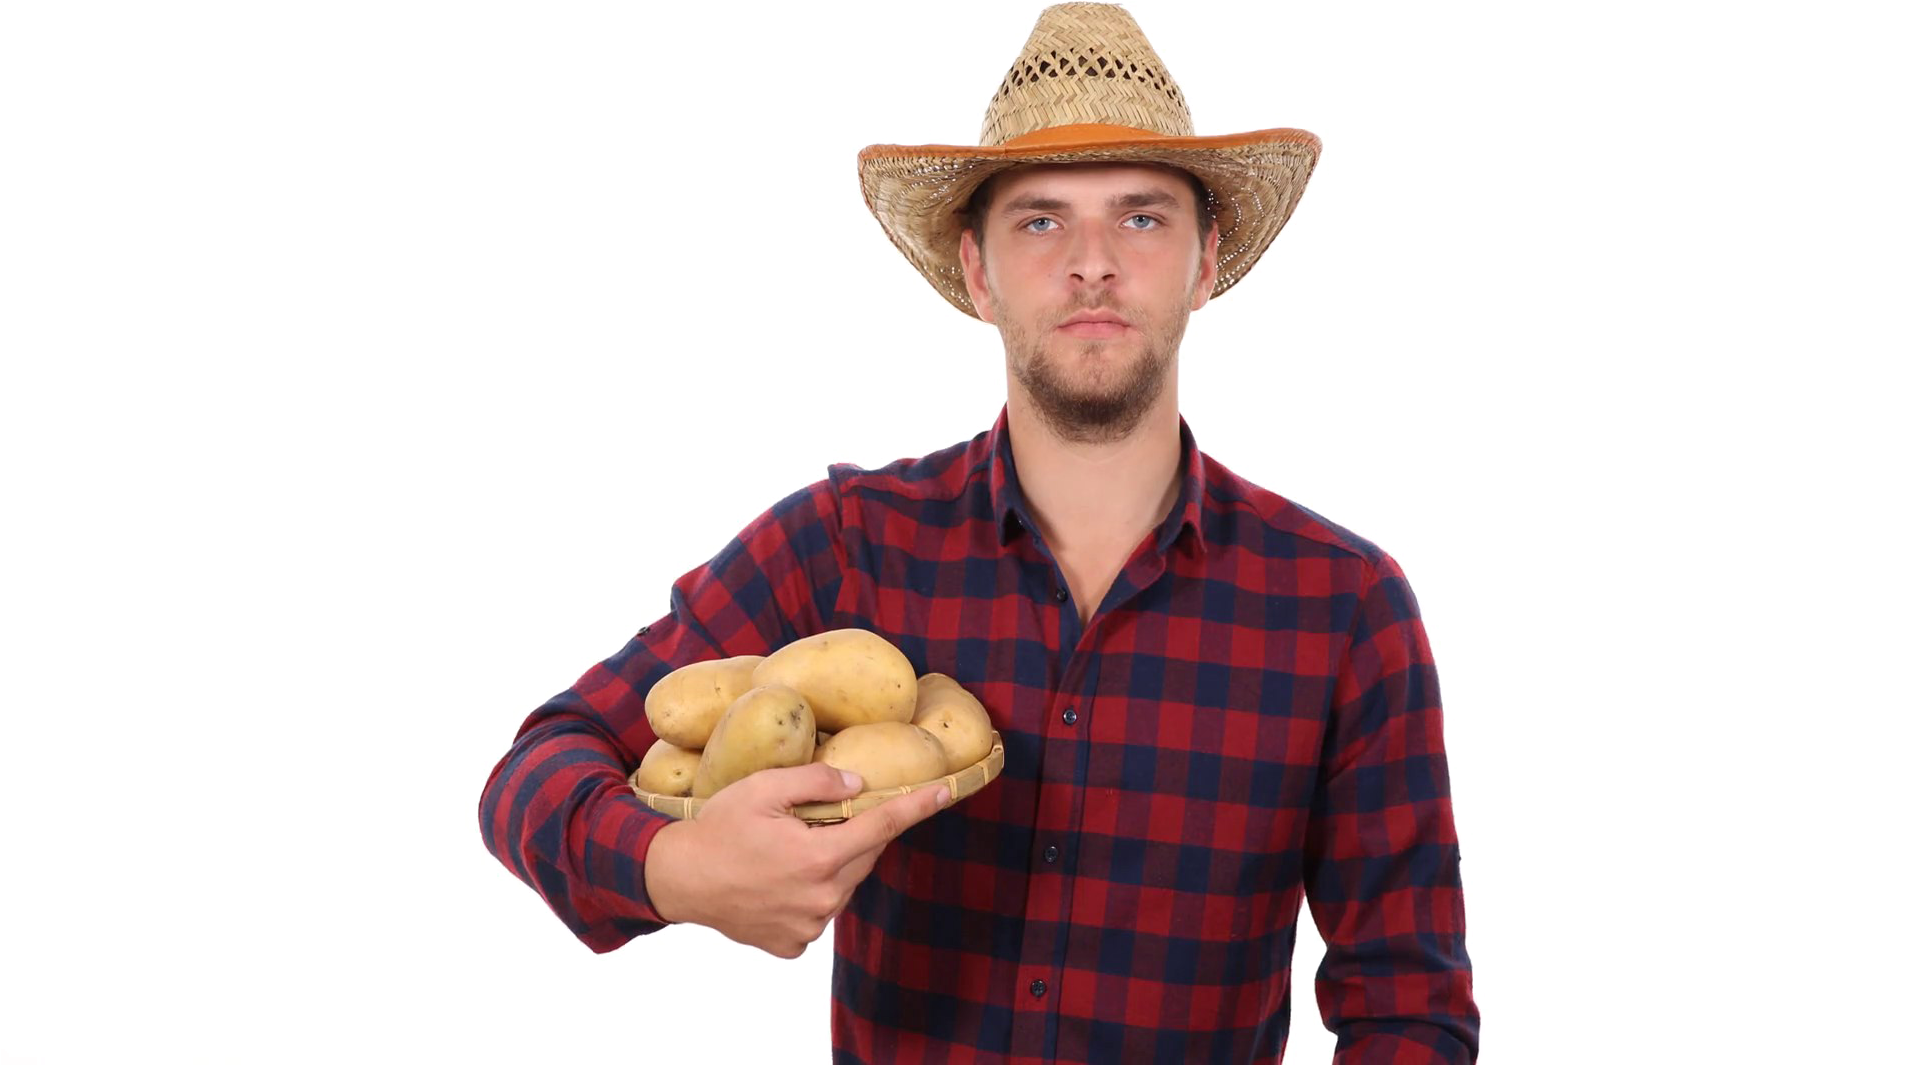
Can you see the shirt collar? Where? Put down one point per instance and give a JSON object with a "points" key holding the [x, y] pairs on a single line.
{"points": [[1182, 524]]}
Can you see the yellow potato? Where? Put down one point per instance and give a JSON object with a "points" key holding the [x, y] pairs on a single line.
{"points": [[886, 754], [667, 769], [850, 677], [683, 706], [955, 718], [766, 727]]}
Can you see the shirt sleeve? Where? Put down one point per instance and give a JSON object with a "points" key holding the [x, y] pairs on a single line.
{"points": [[557, 810], [1382, 869]]}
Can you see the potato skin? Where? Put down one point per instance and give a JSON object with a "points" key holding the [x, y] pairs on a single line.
{"points": [[667, 770], [849, 676], [886, 754], [684, 706], [955, 718], [767, 727]]}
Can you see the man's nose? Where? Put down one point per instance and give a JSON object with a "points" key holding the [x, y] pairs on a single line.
{"points": [[1091, 257]]}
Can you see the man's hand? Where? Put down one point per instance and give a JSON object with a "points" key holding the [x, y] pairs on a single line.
{"points": [[751, 870]]}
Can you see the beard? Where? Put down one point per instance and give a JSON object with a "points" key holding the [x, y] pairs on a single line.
{"points": [[1103, 403]]}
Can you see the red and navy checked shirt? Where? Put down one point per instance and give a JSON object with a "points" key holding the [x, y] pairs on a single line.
{"points": [[1250, 716]]}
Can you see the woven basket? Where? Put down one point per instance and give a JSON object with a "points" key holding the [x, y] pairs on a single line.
{"points": [[960, 785]]}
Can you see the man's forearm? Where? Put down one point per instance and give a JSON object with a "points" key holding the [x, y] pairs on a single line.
{"points": [[558, 813]]}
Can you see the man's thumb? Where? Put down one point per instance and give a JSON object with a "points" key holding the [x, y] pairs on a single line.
{"points": [[793, 786]]}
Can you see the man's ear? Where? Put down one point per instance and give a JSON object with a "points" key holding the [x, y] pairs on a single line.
{"points": [[974, 272], [1209, 268]]}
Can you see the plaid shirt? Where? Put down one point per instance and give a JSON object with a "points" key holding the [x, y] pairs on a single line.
{"points": [[1251, 716]]}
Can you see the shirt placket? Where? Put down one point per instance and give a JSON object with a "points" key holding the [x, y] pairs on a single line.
{"points": [[1057, 815]]}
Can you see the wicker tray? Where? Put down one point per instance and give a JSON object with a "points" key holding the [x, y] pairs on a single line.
{"points": [[960, 785]]}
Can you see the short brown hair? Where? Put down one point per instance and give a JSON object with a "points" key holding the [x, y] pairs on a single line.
{"points": [[975, 213]]}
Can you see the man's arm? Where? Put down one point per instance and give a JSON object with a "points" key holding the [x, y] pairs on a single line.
{"points": [[557, 810], [1383, 864]]}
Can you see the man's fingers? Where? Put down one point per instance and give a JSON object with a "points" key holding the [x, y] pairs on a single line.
{"points": [[871, 830], [878, 827], [854, 871], [790, 786]]}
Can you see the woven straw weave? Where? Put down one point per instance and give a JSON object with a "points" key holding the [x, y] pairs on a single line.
{"points": [[1089, 68], [959, 784]]}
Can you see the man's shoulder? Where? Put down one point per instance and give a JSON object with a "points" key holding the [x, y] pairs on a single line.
{"points": [[1240, 509], [943, 486], [945, 474]]}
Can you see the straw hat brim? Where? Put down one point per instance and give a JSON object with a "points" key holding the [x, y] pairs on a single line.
{"points": [[918, 193]]}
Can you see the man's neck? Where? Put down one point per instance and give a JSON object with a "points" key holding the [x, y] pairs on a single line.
{"points": [[1099, 498]]}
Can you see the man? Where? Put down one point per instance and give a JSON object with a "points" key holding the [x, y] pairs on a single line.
{"points": [[1213, 702]]}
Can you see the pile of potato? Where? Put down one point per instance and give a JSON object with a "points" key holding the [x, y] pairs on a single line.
{"points": [[846, 697]]}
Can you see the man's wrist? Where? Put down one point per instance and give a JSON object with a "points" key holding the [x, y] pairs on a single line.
{"points": [[665, 857]]}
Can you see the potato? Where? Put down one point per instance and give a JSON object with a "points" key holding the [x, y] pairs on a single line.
{"points": [[955, 718], [667, 769], [683, 706], [886, 754], [849, 676], [766, 727]]}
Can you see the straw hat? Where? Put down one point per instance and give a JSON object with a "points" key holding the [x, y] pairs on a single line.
{"points": [[1087, 87]]}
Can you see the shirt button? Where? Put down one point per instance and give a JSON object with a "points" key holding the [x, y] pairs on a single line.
{"points": [[1050, 854], [643, 630], [1037, 988], [1060, 595], [1068, 715]]}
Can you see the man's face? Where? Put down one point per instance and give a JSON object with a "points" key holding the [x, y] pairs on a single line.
{"points": [[1090, 271]]}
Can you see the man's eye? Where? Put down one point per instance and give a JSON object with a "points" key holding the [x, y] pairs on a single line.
{"points": [[1151, 220], [1031, 223], [1130, 218]]}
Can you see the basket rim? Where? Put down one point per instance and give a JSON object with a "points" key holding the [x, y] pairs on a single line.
{"points": [[686, 807]]}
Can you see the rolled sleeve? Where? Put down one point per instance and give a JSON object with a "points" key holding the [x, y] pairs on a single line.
{"points": [[1383, 875]]}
